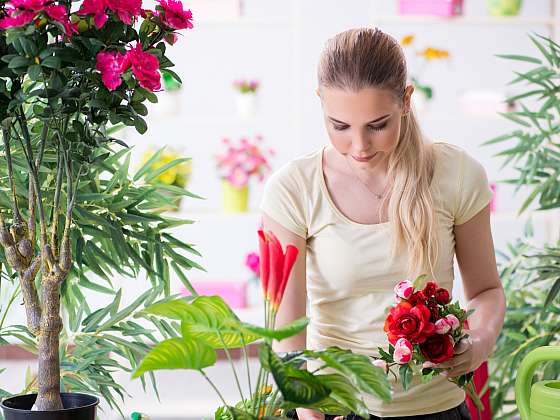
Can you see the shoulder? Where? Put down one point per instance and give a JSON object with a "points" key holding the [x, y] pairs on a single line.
{"points": [[452, 160], [298, 172]]}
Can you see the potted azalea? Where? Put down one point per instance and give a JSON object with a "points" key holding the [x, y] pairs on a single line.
{"points": [[246, 97], [71, 215], [236, 166], [207, 324]]}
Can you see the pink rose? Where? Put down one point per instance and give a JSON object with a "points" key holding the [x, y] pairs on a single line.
{"points": [[404, 289], [145, 68], [442, 326], [110, 65], [174, 15], [453, 321], [403, 351]]}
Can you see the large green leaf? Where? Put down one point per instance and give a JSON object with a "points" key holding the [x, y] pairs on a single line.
{"points": [[358, 368], [297, 386], [177, 353], [289, 330], [344, 393]]}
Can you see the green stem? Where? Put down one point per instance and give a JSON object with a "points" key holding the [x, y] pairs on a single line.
{"points": [[6, 137], [270, 407], [233, 369], [257, 389], [215, 389], [246, 357]]}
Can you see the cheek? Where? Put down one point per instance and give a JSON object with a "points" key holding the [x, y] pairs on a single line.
{"points": [[340, 140]]}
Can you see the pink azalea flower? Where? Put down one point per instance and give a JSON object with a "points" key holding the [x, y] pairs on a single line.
{"points": [[253, 263], [96, 8], [35, 5], [125, 9], [110, 65], [17, 20], [403, 351], [145, 68], [174, 15], [404, 289]]}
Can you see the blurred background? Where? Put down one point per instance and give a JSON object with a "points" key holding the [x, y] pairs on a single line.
{"points": [[248, 69]]}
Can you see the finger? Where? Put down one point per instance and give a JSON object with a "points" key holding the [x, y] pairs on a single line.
{"points": [[457, 371], [338, 418], [463, 345]]}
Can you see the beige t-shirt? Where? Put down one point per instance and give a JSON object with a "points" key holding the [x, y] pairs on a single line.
{"points": [[350, 276]]}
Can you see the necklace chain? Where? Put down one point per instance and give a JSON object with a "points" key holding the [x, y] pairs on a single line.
{"points": [[379, 196]]}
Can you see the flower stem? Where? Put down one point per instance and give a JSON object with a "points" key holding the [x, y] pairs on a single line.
{"points": [[232, 368], [215, 389], [246, 357]]}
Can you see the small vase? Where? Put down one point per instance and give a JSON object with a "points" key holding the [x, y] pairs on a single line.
{"points": [[235, 200], [503, 7], [246, 104]]}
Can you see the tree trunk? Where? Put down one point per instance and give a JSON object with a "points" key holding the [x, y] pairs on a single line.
{"points": [[48, 376]]}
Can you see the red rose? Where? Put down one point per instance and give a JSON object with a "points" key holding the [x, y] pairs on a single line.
{"points": [[417, 298], [410, 322], [430, 289], [442, 296], [437, 348]]}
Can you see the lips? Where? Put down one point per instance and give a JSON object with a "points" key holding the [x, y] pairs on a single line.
{"points": [[364, 159]]}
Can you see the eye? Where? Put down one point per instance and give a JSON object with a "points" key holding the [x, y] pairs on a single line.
{"points": [[377, 128], [340, 127]]}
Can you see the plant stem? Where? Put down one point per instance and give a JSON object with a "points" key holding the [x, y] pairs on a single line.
{"points": [[246, 357], [257, 390], [232, 368], [6, 137], [215, 389], [270, 407], [56, 206]]}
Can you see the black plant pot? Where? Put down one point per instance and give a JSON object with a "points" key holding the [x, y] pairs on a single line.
{"points": [[76, 407]]}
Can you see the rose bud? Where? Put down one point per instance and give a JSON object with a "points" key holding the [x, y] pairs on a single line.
{"points": [[380, 364], [404, 289], [453, 321], [442, 326], [442, 296], [430, 289], [403, 351]]}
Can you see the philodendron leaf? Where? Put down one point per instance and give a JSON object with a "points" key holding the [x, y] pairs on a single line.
{"points": [[358, 368], [345, 393], [297, 386], [278, 334], [177, 353]]}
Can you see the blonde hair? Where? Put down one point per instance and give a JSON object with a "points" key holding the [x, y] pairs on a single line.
{"points": [[365, 57]]}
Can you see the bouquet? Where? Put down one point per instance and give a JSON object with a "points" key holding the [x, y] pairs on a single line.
{"points": [[246, 86], [424, 326], [240, 162]]}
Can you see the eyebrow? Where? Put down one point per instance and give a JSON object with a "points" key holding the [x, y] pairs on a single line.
{"points": [[373, 121]]}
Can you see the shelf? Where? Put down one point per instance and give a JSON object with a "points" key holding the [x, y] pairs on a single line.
{"points": [[466, 20]]}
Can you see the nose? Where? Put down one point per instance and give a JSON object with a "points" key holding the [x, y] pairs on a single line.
{"points": [[362, 143]]}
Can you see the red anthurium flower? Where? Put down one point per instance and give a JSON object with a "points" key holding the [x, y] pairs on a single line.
{"points": [[276, 266]]}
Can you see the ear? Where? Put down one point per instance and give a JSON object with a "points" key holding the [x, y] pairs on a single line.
{"points": [[407, 98], [318, 93]]}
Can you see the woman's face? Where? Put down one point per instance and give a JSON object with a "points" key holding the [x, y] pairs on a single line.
{"points": [[363, 126]]}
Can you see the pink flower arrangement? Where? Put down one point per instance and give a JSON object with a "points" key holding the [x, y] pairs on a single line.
{"points": [[246, 86], [240, 162], [125, 10]]}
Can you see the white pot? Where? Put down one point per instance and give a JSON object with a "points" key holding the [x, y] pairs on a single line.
{"points": [[246, 104]]}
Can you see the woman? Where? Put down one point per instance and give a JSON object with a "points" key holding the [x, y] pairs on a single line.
{"points": [[377, 205]]}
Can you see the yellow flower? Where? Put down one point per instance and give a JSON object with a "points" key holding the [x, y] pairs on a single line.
{"points": [[265, 390], [433, 53], [407, 40]]}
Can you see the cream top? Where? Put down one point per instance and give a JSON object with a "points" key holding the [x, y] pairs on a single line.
{"points": [[350, 276]]}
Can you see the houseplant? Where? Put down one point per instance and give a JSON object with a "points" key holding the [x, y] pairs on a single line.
{"points": [[246, 97], [236, 166], [71, 215], [531, 274], [208, 324], [178, 175]]}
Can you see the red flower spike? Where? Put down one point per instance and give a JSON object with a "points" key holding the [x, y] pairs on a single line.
{"points": [[276, 265], [264, 261], [289, 260]]}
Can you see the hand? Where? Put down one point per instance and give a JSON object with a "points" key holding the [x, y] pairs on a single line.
{"points": [[469, 354], [307, 414]]}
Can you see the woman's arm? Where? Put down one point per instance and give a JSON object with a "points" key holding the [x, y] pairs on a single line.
{"points": [[483, 291], [293, 304]]}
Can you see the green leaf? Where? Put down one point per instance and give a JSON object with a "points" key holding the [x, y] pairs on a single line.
{"points": [[164, 168], [520, 58], [148, 164], [296, 386], [345, 393], [405, 373], [177, 353], [34, 72], [358, 368], [51, 62], [290, 330], [18, 62]]}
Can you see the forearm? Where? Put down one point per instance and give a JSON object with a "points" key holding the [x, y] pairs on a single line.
{"points": [[488, 316], [297, 342]]}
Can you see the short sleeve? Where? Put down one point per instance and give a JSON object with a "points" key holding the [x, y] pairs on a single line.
{"points": [[474, 191], [284, 199]]}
